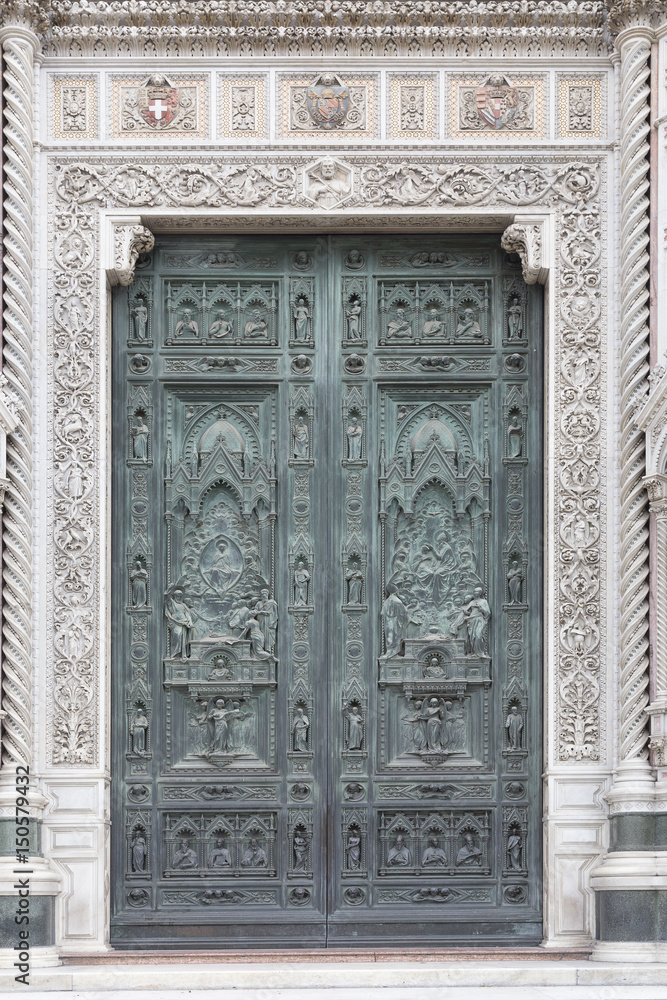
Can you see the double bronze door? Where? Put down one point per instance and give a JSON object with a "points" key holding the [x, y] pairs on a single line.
{"points": [[326, 594]]}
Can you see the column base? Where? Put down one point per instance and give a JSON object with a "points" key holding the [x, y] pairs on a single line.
{"points": [[40, 958], [635, 952]]}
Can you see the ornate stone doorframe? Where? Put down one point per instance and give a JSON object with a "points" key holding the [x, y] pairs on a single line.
{"points": [[103, 211]]}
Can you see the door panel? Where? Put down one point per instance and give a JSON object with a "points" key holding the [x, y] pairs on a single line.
{"points": [[327, 607]]}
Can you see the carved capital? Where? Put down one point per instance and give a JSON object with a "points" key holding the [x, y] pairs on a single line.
{"points": [[658, 746], [128, 243], [624, 14], [656, 488], [26, 15], [526, 241]]}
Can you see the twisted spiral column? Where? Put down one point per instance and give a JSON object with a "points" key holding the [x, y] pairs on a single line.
{"points": [[18, 46], [635, 51]]}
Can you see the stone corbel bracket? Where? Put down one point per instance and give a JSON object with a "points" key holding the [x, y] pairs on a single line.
{"points": [[528, 237], [126, 239]]}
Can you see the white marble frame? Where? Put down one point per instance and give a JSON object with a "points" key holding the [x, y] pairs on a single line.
{"points": [[576, 772]]}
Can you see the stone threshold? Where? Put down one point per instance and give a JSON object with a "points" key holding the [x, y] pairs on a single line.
{"points": [[337, 975], [306, 955]]}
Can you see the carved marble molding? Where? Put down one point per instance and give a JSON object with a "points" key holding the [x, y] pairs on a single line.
{"points": [[129, 240], [83, 193], [359, 28]]}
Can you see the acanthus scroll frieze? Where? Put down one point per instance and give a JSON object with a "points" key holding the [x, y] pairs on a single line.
{"points": [[272, 186]]}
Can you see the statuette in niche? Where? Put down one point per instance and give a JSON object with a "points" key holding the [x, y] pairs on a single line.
{"points": [[184, 857], [355, 727], [400, 854], [301, 579], [139, 583], [514, 844], [515, 319], [139, 852], [469, 853], [221, 326], [140, 319], [434, 854], [301, 438], [220, 856], [515, 438], [514, 727], [434, 326], [187, 326], [300, 728], [514, 581], [301, 314], [140, 438], [353, 850], [355, 580], [395, 620], [354, 437], [468, 328], [139, 731], [399, 326], [353, 317], [254, 856], [300, 845], [256, 326]]}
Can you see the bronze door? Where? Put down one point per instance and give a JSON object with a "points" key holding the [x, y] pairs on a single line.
{"points": [[326, 594]]}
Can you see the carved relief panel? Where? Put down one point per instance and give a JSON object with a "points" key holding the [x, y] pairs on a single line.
{"points": [[327, 613]]}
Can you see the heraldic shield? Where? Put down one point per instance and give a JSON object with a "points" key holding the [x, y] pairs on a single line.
{"points": [[328, 102], [497, 101], [158, 102]]}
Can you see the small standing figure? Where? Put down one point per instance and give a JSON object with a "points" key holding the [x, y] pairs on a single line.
{"points": [[140, 439], [267, 611], [515, 319], [140, 320], [300, 852], [354, 435], [434, 326], [184, 857], [353, 317], [301, 315], [514, 727], [434, 855], [515, 438], [220, 856], [514, 581], [399, 326], [181, 623], [353, 851], [301, 580], [355, 579], [468, 328], [139, 852], [301, 438], [221, 326], [514, 844], [139, 581], [469, 854], [139, 728], [477, 614], [187, 326], [355, 728], [395, 619], [400, 854], [300, 730]]}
